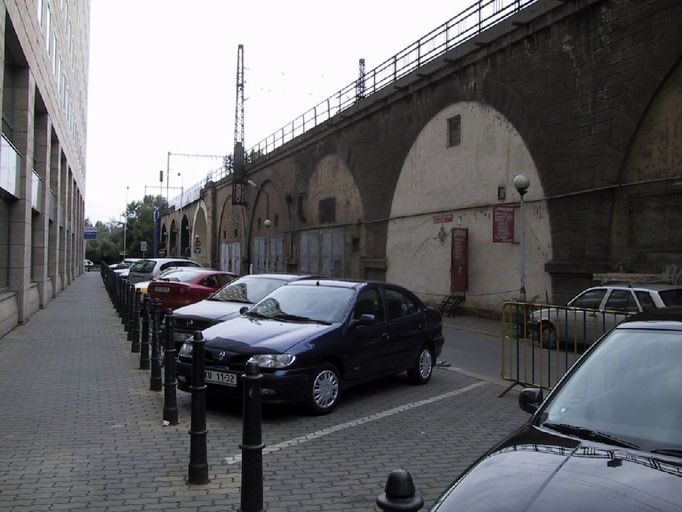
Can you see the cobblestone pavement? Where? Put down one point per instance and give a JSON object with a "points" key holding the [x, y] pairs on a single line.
{"points": [[80, 429]]}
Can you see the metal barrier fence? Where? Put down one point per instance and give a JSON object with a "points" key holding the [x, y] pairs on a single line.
{"points": [[540, 342]]}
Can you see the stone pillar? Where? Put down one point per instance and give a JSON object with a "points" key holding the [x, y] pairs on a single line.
{"points": [[20, 210], [53, 224], [41, 159]]}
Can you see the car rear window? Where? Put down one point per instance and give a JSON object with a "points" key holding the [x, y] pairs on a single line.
{"points": [[181, 276], [671, 297]]}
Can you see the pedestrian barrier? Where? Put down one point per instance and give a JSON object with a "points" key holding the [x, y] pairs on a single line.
{"points": [[540, 342]]}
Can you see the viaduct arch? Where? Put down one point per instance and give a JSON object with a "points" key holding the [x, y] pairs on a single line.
{"points": [[581, 96]]}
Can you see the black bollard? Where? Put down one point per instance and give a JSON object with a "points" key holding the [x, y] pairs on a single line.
{"points": [[122, 287], [119, 291], [135, 327], [252, 445], [117, 295], [400, 495], [198, 461], [155, 381], [144, 339], [170, 403], [131, 311]]}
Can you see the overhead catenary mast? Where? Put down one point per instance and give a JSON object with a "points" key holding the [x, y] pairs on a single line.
{"points": [[239, 177]]}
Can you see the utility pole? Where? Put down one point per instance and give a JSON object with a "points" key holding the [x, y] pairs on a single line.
{"points": [[239, 177]]}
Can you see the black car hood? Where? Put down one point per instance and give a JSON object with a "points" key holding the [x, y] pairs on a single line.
{"points": [[211, 309], [270, 335], [537, 471]]}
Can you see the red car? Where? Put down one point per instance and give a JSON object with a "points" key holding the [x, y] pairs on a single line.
{"points": [[187, 286]]}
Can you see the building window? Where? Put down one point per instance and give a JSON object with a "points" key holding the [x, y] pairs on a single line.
{"points": [[48, 29], [454, 131], [327, 210], [39, 10]]}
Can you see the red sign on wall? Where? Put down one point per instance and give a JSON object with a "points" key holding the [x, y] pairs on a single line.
{"points": [[503, 224], [442, 218], [459, 267]]}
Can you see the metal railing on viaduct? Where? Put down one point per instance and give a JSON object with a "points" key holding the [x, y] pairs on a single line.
{"points": [[472, 21]]}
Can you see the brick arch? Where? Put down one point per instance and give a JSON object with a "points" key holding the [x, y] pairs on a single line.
{"points": [[647, 208]]}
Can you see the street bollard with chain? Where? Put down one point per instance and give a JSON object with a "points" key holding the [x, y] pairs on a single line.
{"points": [[198, 461], [252, 445], [144, 339], [155, 381], [170, 403]]}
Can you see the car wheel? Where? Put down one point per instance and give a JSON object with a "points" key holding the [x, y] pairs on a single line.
{"points": [[325, 389], [548, 337], [421, 372]]}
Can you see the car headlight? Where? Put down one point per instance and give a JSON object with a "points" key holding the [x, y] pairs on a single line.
{"points": [[272, 360], [186, 349]]}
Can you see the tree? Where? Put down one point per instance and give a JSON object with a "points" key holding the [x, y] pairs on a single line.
{"points": [[108, 247], [141, 224]]}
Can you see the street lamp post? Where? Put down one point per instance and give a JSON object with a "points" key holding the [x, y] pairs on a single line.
{"points": [[125, 225], [521, 183]]}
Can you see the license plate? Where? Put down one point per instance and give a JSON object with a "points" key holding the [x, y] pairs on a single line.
{"points": [[161, 289], [224, 378], [181, 336]]}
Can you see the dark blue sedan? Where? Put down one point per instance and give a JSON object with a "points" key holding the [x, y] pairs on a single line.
{"points": [[314, 338]]}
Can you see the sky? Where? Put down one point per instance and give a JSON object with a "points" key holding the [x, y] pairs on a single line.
{"points": [[162, 79]]}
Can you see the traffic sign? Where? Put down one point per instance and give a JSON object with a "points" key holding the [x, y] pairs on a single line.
{"points": [[197, 250]]}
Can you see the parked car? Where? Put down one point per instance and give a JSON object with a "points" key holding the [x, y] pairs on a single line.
{"points": [[125, 264], [187, 286], [226, 303], [607, 438], [596, 310], [87, 265], [143, 286], [148, 269], [314, 338]]}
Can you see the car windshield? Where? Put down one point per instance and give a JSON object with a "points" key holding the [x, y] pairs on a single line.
{"points": [[628, 389], [325, 304], [248, 289], [144, 266]]}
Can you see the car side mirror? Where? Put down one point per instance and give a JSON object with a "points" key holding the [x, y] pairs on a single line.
{"points": [[530, 399], [243, 310], [365, 319]]}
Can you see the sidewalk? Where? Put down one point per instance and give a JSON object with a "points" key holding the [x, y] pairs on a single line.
{"points": [[81, 431]]}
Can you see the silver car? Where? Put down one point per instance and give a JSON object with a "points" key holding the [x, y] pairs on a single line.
{"points": [[597, 310], [150, 268]]}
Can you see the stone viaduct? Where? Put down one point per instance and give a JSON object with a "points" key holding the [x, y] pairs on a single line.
{"points": [[413, 182]]}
